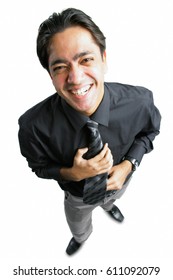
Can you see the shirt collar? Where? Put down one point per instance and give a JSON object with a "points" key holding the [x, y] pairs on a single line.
{"points": [[76, 119], [101, 115]]}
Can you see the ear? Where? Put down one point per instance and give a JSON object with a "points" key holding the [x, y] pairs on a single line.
{"points": [[104, 55], [105, 62]]}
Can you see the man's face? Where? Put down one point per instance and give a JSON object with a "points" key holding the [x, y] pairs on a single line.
{"points": [[77, 69]]}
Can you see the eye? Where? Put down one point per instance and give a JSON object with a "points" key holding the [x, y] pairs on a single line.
{"points": [[87, 60], [59, 68]]}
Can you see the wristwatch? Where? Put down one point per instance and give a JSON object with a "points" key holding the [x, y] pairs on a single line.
{"points": [[133, 161]]}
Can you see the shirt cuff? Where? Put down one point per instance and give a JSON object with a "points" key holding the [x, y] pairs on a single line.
{"points": [[54, 173], [136, 151]]}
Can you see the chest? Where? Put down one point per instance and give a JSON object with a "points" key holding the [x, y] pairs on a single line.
{"points": [[66, 141]]}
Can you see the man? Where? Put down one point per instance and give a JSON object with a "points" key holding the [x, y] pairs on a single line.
{"points": [[54, 134]]}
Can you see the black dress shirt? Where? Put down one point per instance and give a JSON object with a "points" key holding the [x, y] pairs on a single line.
{"points": [[51, 132]]}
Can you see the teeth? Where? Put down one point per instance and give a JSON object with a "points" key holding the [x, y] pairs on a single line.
{"points": [[81, 91]]}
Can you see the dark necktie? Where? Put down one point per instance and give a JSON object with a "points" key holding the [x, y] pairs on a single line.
{"points": [[95, 187]]}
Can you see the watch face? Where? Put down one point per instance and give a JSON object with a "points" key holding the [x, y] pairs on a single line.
{"points": [[135, 164], [133, 161], [134, 167]]}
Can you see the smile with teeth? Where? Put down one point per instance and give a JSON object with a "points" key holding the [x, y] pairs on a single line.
{"points": [[81, 91]]}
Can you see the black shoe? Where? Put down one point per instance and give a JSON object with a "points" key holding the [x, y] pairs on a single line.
{"points": [[116, 214], [73, 246]]}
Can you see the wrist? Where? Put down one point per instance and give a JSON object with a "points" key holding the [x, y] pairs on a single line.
{"points": [[69, 174], [133, 161], [127, 166]]}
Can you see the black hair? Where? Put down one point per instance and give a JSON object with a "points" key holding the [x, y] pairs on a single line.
{"points": [[58, 23]]}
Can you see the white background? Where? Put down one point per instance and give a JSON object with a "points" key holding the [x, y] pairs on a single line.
{"points": [[33, 227]]}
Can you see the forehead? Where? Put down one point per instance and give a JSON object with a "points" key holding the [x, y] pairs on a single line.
{"points": [[70, 40]]}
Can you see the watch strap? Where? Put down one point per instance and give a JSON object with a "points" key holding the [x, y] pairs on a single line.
{"points": [[133, 161]]}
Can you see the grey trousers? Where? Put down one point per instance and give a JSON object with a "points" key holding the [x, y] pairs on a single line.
{"points": [[79, 214]]}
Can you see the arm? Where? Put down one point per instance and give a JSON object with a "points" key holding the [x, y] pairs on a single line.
{"points": [[143, 143], [150, 120], [38, 161], [118, 175], [83, 168], [35, 155]]}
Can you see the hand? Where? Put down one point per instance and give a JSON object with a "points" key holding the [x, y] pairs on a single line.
{"points": [[83, 168], [118, 175]]}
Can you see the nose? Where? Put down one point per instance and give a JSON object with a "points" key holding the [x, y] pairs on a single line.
{"points": [[75, 75]]}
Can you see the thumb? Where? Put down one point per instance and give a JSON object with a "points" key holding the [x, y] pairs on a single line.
{"points": [[82, 151]]}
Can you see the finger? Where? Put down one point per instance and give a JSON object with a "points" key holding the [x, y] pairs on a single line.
{"points": [[101, 167], [106, 162], [111, 185], [110, 172], [102, 154], [110, 181], [108, 156]]}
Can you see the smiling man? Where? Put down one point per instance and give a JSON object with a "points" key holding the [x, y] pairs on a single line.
{"points": [[77, 73], [90, 135]]}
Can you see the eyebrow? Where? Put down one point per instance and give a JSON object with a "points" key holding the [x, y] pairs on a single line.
{"points": [[57, 61], [75, 57], [78, 55]]}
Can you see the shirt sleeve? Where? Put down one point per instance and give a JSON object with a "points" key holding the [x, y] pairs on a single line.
{"points": [[150, 120], [36, 157]]}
